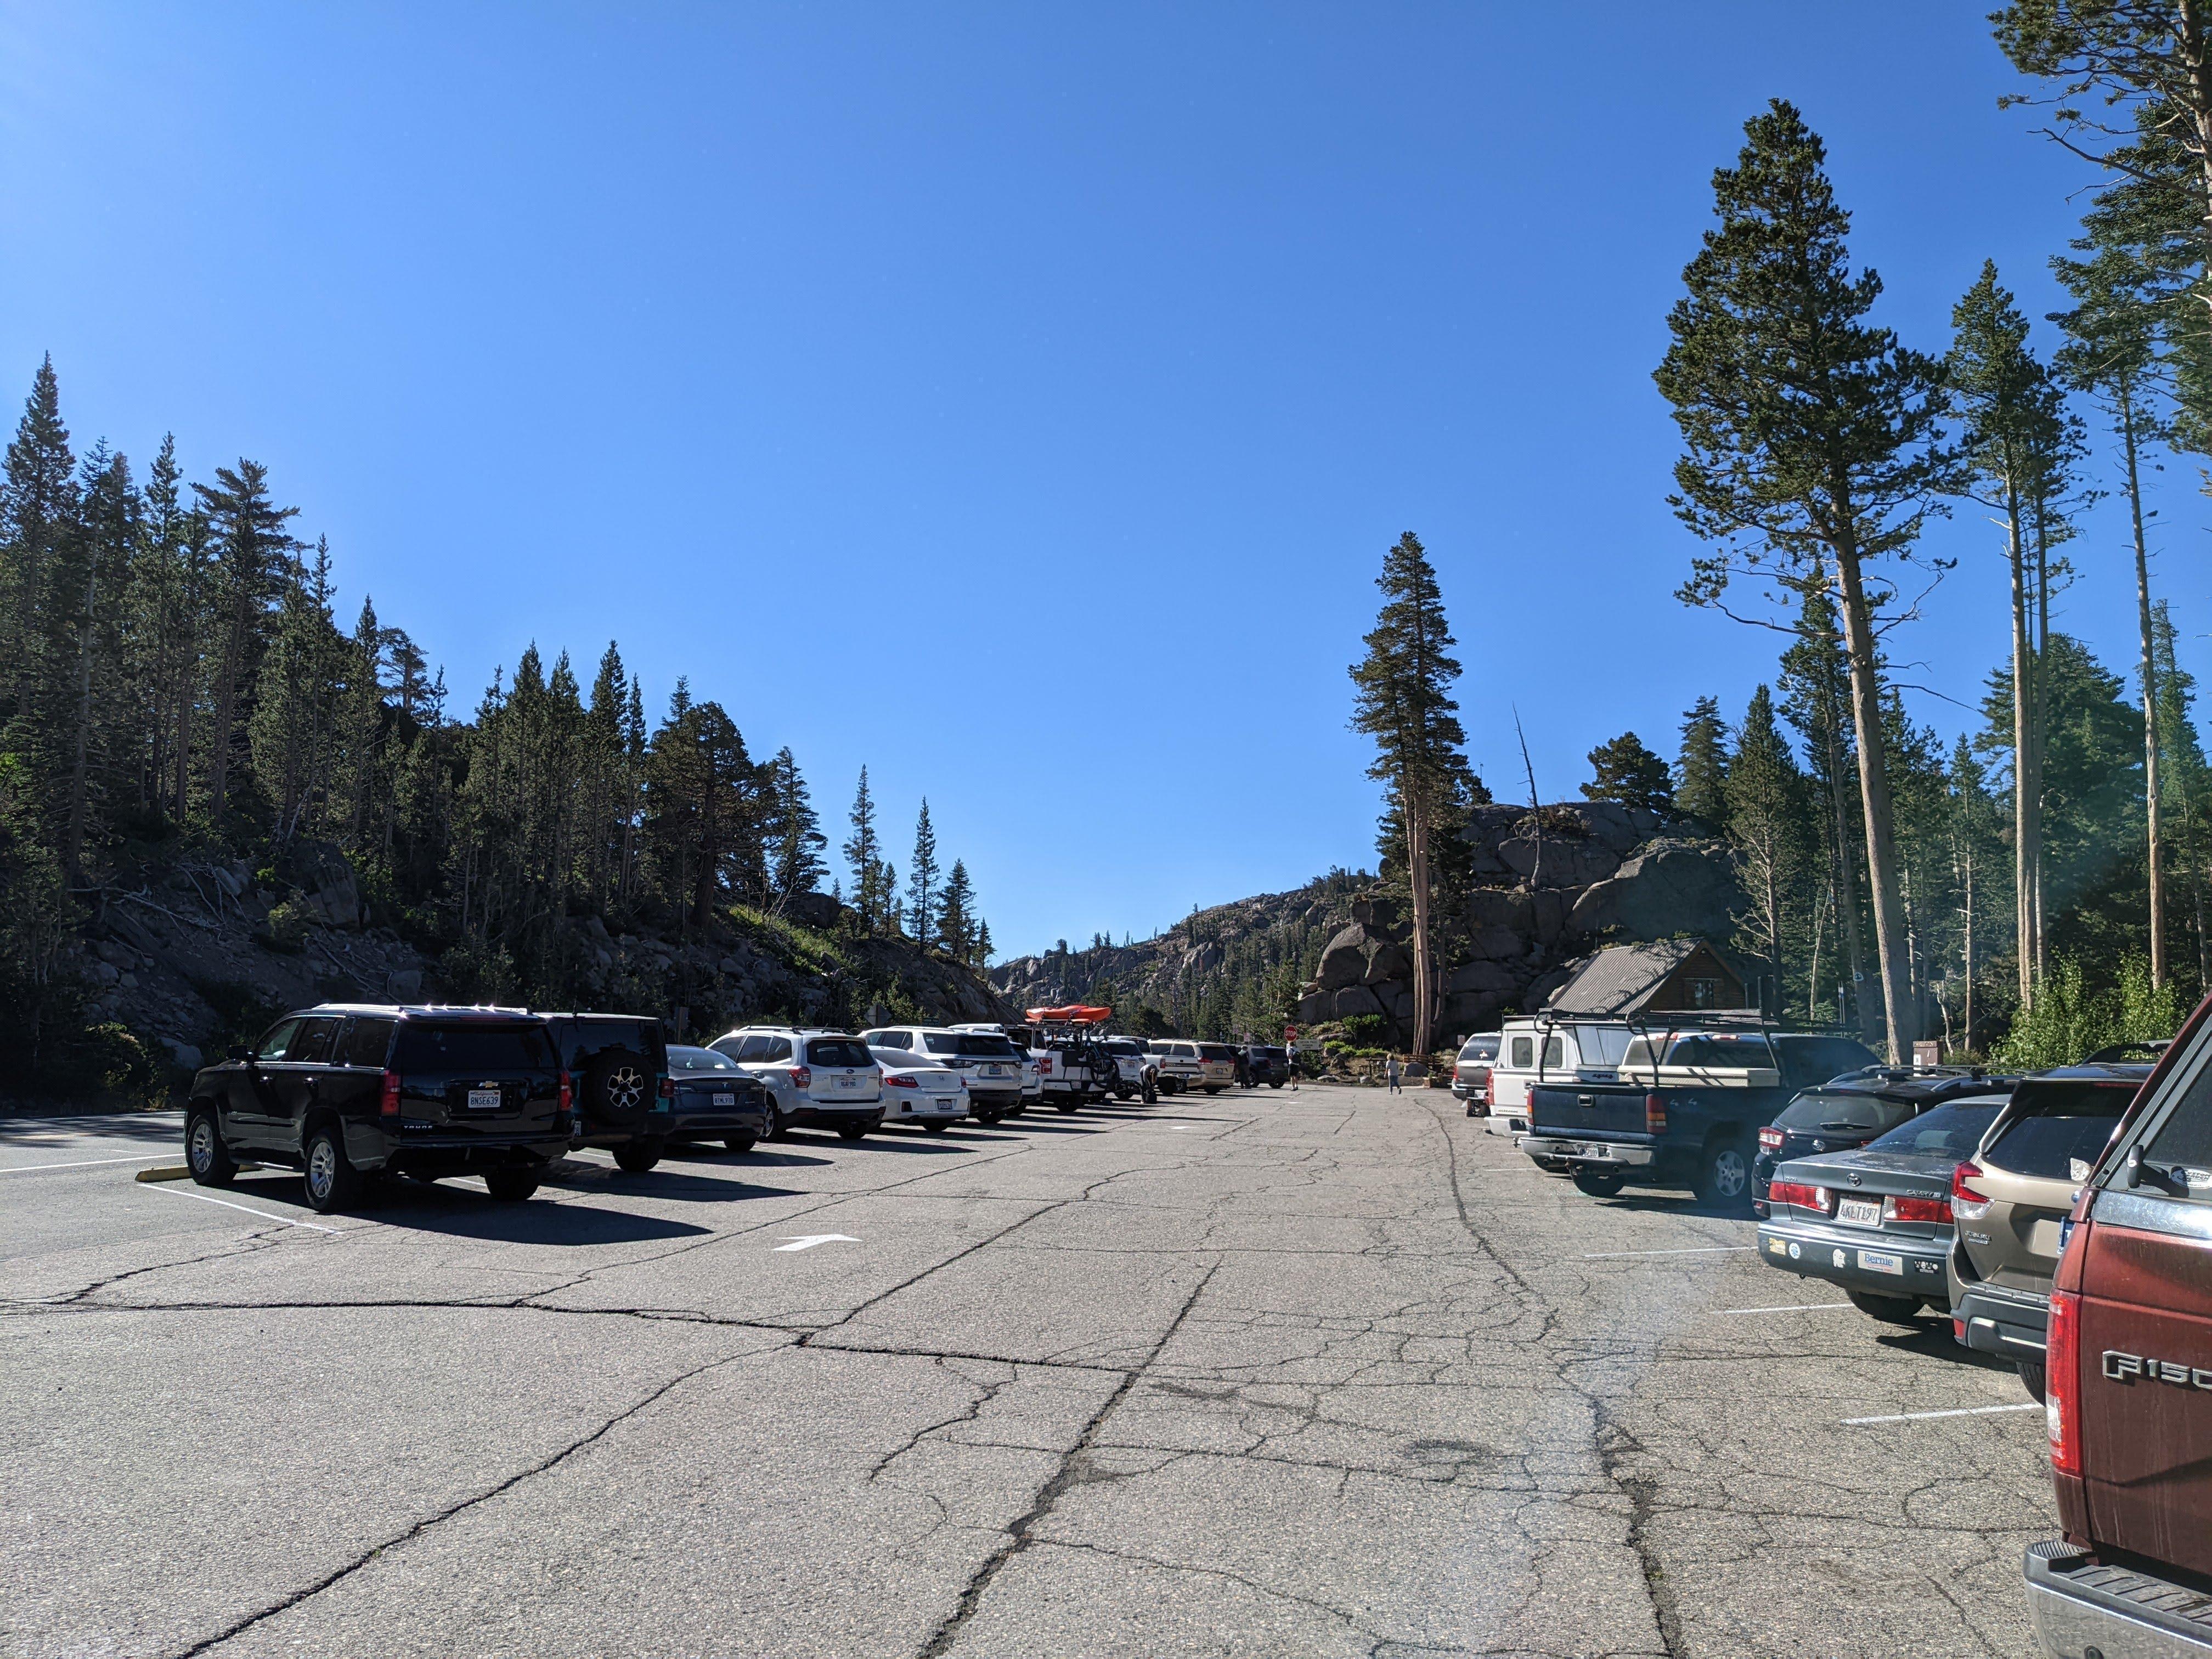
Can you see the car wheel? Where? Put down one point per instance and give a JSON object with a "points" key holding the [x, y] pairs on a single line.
{"points": [[1724, 1176], [1275, 1083], [778, 1124], [332, 1181], [740, 1143], [853, 1131], [1601, 1183], [2031, 1377], [1070, 1105], [206, 1155], [936, 1126], [639, 1155], [510, 1186], [1215, 1088], [1124, 1095], [1891, 1310]]}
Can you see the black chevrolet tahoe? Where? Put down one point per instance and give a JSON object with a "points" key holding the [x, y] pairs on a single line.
{"points": [[346, 1092]]}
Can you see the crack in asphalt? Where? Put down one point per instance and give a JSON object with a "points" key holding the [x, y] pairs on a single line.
{"points": [[1074, 1469]]}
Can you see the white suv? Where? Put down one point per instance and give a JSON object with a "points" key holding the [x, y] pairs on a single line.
{"points": [[988, 1061], [827, 1078]]}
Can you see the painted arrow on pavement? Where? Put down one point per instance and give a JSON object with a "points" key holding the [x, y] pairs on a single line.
{"points": [[809, 1241]]}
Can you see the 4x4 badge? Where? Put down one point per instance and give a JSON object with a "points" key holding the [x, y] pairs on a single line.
{"points": [[2126, 1367]]}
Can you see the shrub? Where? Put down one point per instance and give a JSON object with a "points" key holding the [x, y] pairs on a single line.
{"points": [[288, 925], [1366, 1030], [2070, 1021]]}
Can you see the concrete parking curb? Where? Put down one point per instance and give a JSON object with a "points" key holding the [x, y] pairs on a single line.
{"points": [[179, 1172]]}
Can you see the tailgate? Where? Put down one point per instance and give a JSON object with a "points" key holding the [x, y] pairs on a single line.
{"points": [[1579, 1108]]}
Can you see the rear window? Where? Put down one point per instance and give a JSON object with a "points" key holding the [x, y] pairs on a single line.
{"points": [[1602, 1045], [1727, 1051], [1215, 1051], [1480, 1047], [1524, 1053], [1815, 1110], [473, 1048], [838, 1051], [699, 1059], [582, 1039], [1123, 1046], [366, 1043], [1267, 1053], [2056, 1121], [1946, 1132], [994, 1048]]}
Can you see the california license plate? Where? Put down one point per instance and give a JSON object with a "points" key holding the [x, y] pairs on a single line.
{"points": [[483, 1100], [726, 1100], [994, 1070], [1881, 1261], [1859, 1212]]}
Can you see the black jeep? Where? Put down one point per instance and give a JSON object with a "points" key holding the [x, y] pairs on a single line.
{"points": [[625, 1094], [345, 1093]]}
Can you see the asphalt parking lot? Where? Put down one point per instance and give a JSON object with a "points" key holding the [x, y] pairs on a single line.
{"points": [[1324, 1372]]}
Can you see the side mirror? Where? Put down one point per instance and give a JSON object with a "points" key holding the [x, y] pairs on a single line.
{"points": [[244, 1055]]}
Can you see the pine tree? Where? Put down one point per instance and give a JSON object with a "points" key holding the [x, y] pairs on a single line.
{"points": [[1975, 844], [1404, 702], [863, 852], [922, 880], [251, 549], [1815, 680], [1701, 771], [38, 515], [1812, 440], [1764, 798], [956, 923], [1631, 773], [794, 834]]}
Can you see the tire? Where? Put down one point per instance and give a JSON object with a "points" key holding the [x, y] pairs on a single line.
{"points": [[936, 1126], [1276, 1083], [616, 1087], [1214, 1088], [640, 1155], [1890, 1309], [332, 1181], [1601, 1183], [2031, 1377], [778, 1125], [1071, 1106], [206, 1155], [1125, 1095], [740, 1144], [1723, 1178], [510, 1186], [853, 1131]]}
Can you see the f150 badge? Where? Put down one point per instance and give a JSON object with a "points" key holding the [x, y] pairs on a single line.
{"points": [[2126, 1367]]}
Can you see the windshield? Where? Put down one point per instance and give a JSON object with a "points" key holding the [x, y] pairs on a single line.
{"points": [[1950, 1132], [473, 1048], [2056, 1121], [838, 1051], [682, 1059], [1601, 1045]]}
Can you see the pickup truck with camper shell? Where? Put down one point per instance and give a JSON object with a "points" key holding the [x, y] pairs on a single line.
{"points": [[1534, 1049], [1684, 1110], [2128, 1382]]}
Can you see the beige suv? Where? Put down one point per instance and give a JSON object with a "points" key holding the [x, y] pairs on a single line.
{"points": [[2010, 1204]]}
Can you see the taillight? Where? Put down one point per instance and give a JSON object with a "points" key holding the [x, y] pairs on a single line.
{"points": [[1968, 1202], [1655, 1115], [1804, 1196], [801, 1076], [568, 1094], [899, 1082], [390, 1105], [1771, 1138], [668, 1087], [1916, 1209], [2061, 1381], [1044, 1062]]}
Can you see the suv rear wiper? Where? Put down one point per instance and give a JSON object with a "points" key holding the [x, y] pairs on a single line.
{"points": [[1837, 1124]]}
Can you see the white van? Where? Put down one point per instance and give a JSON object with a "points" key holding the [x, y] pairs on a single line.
{"points": [[1530, 1047]]}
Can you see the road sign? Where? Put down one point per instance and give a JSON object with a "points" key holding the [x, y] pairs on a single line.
{"points": [[1289, 1034]]}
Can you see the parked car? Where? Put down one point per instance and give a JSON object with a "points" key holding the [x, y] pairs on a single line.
{"points": [[1179, 1065], [1032, 1072], [824, 1078], [1217, 1062], [624, 1093], [1684, 1110], [344, 1092], [1075, 1071], [918, 1090], [2128, 1372], [1471, 1071], [1876, 1219], [988, 1060], [714, 1100], [1534, 1049], [1268, 1068], [2011, 1199], [1135, 1075], [1849, 1111]]}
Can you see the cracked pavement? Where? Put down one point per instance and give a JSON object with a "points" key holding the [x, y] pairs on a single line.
{"points": [[1324, 1372]]}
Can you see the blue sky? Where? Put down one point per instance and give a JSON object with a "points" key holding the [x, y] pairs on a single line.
{"points": [[1014, 399]]}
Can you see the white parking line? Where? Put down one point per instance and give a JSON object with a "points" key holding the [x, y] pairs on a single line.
{"points": [[86, 1163], [1795, 1307], [1921, 1417], [266, 1215], [1694, 1250]]}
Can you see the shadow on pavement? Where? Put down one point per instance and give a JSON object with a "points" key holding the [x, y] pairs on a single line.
{"points": [[458, 1212], [26, 1132], [684, 1186]]}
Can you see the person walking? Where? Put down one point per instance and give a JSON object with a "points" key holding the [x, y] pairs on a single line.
{"points": [[1391, 1071]]}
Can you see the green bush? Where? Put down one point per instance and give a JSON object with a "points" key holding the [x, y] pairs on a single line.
{"points": [[106, 1061], [1366, 1030], [2070, 1021], [289, 923]]}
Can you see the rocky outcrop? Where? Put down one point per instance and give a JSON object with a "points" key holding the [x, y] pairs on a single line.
{"points": [[1552, 887]]}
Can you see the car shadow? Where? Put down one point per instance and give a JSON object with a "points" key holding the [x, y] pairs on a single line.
{"points": [[1663, 1203], [28, 1132], [1932, 1340], [759, 1158], [687, 1185], [456, 1213]]}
